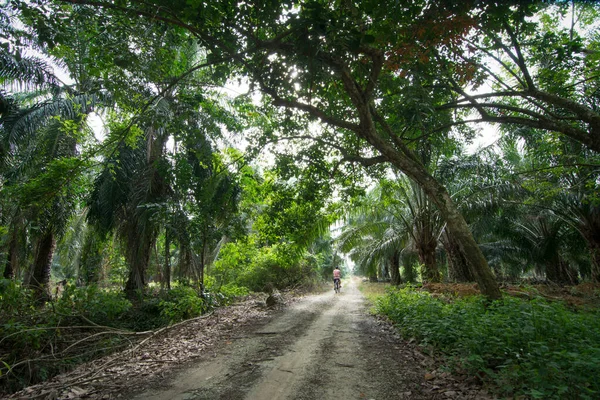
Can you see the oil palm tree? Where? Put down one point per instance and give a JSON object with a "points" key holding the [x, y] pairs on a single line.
{"points": [[36, 149], [42, 132], [397, 217], [373, 245], [526, 209]]}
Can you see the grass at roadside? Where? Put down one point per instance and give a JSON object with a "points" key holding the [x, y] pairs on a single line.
{"points": [[532, 348], [372, 290]]}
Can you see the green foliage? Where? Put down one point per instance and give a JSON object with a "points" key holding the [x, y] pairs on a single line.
{"points": [[533, 348], [14, 299], [52, 335], [260, 268], [231, 291], [269, 267], [180, 303], [103, 306]]}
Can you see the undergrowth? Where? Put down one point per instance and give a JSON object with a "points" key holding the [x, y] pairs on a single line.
{"points": [[84, 323], [533, 348]]}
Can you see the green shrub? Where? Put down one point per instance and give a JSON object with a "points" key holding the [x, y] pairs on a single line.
{"points": [[15, 300], [180, 303], [278, 266], [533, 348], [22, 327], [232, 291], [29, 331], [216, 295], [146, 315], [102, 306]]}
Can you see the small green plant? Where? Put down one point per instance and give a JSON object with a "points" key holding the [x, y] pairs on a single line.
{"points": [[15, 299], [232, 291], [180, 303], [30, 331], [533, 348]]}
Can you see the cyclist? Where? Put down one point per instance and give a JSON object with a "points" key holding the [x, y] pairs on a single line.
{"points": [[337, 275]]}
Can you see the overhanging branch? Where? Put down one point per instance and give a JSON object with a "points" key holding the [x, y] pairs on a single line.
{"points": [[309, 109], [346, 155]]}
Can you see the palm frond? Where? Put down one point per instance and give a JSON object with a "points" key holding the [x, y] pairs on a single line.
{"points": [[28, 120], [26, 73]]}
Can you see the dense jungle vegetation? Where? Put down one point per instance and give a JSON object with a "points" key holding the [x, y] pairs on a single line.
{"points": [[161, 158]]}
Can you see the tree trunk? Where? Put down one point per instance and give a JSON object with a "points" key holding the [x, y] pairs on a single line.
{"points": [[42, 263], [202, 263], [12, 258], [91, 259], [9, 273], [395, 269], [408, 262], [476, 262], [167, 270], [136, 280], [595, 257], [458, 269], [184, 261], [139, 256], [385, 271], [141, 232], [591, 233], [457, 227], [437, 193], [426, 248], [559, 272]]}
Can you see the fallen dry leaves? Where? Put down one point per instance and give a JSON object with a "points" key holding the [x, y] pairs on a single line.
{"points": [[149, 359]]}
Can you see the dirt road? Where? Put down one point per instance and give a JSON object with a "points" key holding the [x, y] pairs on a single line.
{"points": [[324, 347]]}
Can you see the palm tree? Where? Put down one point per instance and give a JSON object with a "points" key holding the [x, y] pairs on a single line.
{"points": [[523, 213], [395, 219], [42, 129], [373, 246], [417, 211], [475, 183], [580, 210], [33, 141], [144, 188]]}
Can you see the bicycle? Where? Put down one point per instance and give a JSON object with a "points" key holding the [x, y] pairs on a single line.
{"points": [[337, 287]]}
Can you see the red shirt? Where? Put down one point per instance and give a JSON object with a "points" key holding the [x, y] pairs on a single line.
{"points": [[337, 273]]}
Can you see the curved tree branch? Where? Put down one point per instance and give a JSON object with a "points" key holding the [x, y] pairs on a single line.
{"points": [[519, 60]]}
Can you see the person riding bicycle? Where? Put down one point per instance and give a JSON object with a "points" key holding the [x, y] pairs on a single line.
{"points": [[337, 275]]}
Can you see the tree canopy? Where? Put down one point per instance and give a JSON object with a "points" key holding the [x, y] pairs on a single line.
{"points": [[341, 92]]}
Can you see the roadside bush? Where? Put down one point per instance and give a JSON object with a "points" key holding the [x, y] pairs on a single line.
{"points": [[18, 315], [232, 291], [102, 306], [39, 341], [533, 348], [180, 303], [15, 300]]}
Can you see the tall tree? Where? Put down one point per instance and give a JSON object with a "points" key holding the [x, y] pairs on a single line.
{"points": [[558, 177], [41, 127], [390, 78]]}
